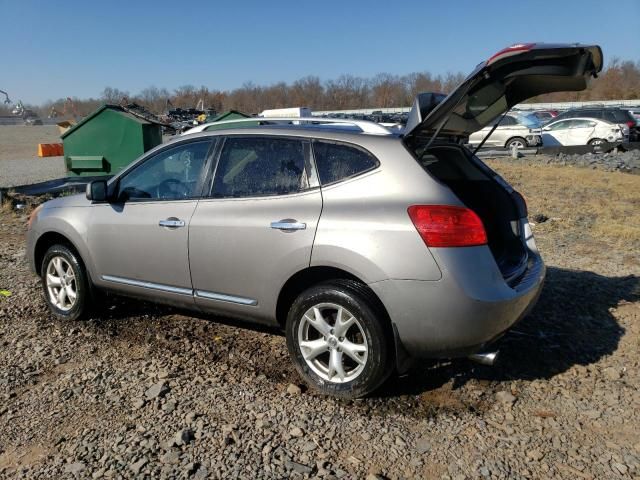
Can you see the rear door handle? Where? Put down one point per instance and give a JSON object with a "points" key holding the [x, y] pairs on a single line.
{"points": [[172, 222], [288, 225]]}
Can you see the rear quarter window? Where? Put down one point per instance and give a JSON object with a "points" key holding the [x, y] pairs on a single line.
{"points": [[336, 161]]}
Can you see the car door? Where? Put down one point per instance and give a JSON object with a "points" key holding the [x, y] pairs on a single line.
{"points": [[580, 132], [139, 240], [556, 133], [507, 129], [256, 228]]}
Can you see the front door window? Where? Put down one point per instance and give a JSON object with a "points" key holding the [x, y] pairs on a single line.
{"points": [[173, 174]]}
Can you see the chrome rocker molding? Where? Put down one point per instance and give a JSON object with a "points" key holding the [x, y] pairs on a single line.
{"points": [[225, 298], [143, 284], [221, 297]]}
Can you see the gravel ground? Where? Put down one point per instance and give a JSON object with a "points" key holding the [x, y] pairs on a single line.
{"points": [[19, 161], [147, 391]]}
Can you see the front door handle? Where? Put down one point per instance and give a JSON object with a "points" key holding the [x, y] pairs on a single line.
{"points": [[172, 222], [288, 225]]}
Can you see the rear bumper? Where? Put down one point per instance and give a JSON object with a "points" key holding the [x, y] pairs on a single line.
{"points": [[464, 311]]}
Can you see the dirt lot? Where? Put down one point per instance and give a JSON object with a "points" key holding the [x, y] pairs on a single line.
{"points": [[19, 162], [142, 390]]}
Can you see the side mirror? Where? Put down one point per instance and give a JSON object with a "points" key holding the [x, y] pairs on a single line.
{"points": [[97, 191], [546, 129]]}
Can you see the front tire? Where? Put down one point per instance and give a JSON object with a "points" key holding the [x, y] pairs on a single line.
{"points": [[338, 340], [519, 142], [595, 141], [64, 280]]}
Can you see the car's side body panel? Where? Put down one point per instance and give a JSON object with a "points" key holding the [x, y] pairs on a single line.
{"points": [[365, 227], [133, 253], [239, 262], [68, 217]]}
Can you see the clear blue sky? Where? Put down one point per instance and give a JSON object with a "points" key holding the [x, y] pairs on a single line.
{"points": [[76, 48]]}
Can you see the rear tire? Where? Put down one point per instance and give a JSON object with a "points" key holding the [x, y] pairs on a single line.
{"points": [[519, 142], [337, 338], [65, 284]]}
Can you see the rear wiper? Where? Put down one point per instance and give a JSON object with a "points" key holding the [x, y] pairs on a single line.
{"points": [[490, 132]]}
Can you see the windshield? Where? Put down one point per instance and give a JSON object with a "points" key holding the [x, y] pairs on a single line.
{"points": [[529, 121]]}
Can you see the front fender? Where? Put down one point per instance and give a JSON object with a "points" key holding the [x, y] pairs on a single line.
{"points": [[72, 226]]}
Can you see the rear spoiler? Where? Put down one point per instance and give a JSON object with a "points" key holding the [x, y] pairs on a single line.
{"points": [[422, 106]]}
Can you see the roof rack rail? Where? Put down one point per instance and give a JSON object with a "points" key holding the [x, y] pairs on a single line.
{"points": [[364, 125]]}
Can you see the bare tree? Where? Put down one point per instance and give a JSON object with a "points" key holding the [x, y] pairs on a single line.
{"points": [[619, 80]]}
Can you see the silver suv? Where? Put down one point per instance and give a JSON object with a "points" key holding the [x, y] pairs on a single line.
{"points": [[370, 249]]}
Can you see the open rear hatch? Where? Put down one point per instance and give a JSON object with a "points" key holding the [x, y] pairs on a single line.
{"points": [[506, 79], [509, 77]]}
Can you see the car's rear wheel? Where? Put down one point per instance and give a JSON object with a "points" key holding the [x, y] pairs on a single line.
{"points": [[518, 142], [596, 141], [64, 280], [337, 339]]}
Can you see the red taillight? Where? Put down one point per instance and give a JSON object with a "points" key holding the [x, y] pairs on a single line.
{"points": [[631, 124], [447, 226]]}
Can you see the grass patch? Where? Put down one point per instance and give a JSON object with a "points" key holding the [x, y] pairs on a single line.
{"points": [[602, 205]]}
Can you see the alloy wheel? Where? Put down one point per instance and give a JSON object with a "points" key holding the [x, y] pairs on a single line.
{"points": [[61, 283], [333, 342]]}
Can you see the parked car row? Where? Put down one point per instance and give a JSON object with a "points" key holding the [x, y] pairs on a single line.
{"points": [[588, 126], [585, 126]]}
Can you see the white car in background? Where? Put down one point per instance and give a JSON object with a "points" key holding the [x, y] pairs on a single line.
{"points": [[583, 131]]}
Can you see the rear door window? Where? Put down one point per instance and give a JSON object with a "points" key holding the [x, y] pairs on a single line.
{"points": [[508, 121], [583, 124], [617, 116], [336, 161], [562, 125], [259, 166], [590, 113]]}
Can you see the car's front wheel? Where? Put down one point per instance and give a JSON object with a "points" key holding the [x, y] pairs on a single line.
{"points": [[596, 141], [517, 142], [65, 284], [337, 339]]}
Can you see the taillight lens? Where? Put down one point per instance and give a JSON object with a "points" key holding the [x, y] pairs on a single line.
{"points": [[631, 124], [447, 226]]}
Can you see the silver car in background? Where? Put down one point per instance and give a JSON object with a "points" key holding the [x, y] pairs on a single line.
{"points": [[516, 129], [370, 249]]}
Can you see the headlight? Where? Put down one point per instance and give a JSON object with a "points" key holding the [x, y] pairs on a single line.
{"points": [[32, 217]]}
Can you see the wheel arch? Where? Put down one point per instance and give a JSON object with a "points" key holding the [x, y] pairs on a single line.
{"points": [[506, 144], [45, 241], [304, 279]]}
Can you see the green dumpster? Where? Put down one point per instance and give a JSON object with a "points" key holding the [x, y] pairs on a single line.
{"points": [[107, 141]]}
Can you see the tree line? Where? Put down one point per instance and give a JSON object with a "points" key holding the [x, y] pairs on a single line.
{"points": [[619, 81]]}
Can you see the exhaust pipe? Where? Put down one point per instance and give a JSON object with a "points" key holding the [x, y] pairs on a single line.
{"points": [[487, 358]]}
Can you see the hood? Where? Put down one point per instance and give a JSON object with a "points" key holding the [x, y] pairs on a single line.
{"points": [[509, 77], [79, 200]]}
